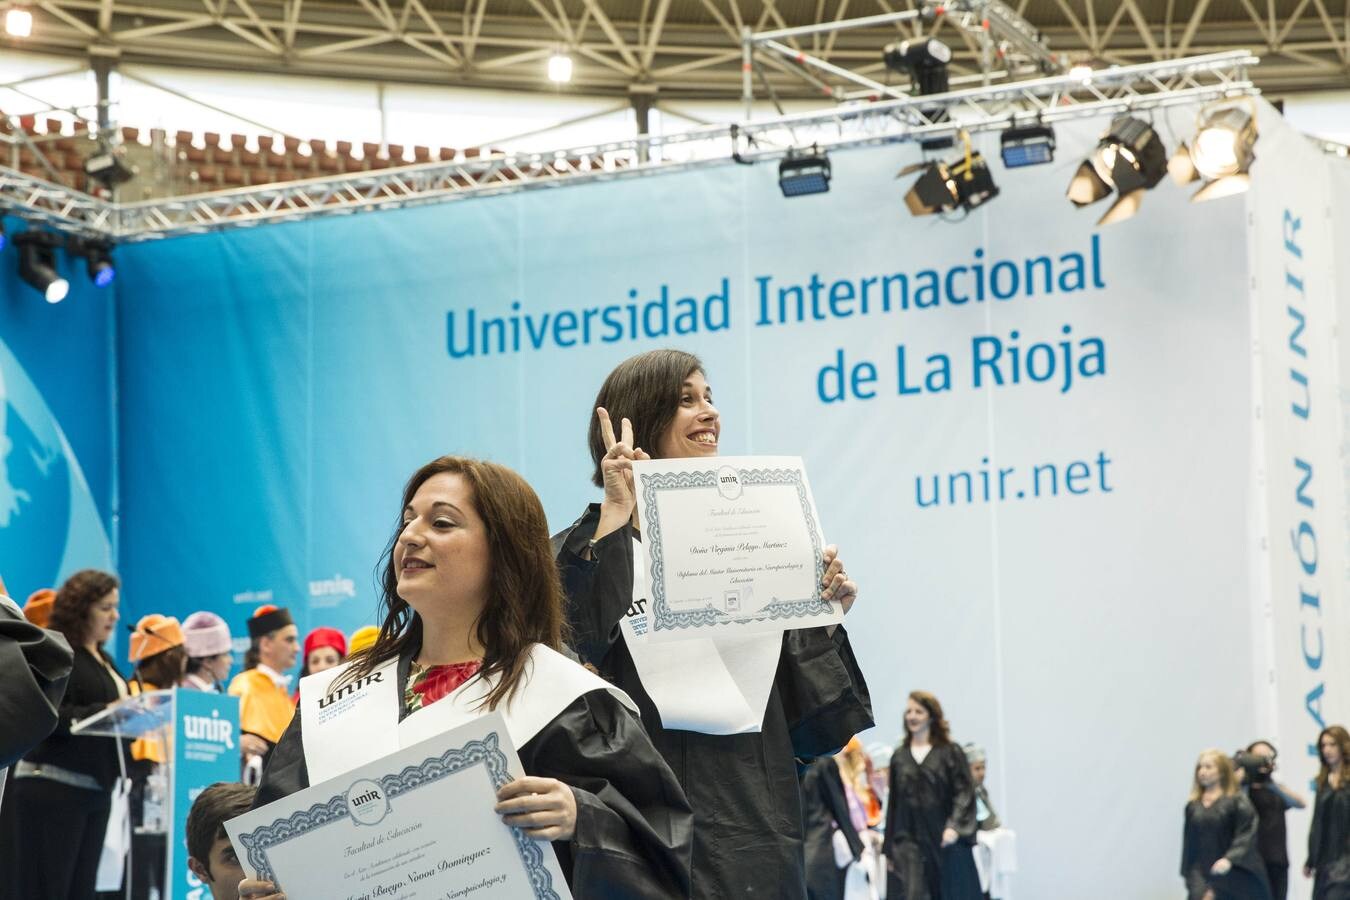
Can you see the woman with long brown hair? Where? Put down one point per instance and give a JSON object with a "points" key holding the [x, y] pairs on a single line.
{"points": [[930, 813], [1329, 838], [1219, 856], [741, 779], [59, 798], [473, 619]]}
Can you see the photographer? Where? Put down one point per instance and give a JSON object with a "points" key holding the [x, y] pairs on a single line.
{"points": [[1255, 766]]}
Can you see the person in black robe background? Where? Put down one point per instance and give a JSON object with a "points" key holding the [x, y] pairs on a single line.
{"points": [[1219, 856], [824, 811], [1329, 838], [1255, 768], [743, 788], [471, 561], [930, 811]]}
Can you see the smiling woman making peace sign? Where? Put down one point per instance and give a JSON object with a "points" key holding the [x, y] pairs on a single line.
{"points": [[742, 786]]}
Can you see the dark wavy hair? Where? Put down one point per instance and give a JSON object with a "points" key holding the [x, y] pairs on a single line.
{"points": [[524, 605], [645, 390], [74, 599], [939, 732]]}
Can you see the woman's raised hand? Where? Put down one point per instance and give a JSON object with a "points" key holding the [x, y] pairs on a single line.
{"points": [[835, 583], [620, 500], [617, 465]]}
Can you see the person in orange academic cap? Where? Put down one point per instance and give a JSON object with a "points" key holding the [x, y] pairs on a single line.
{"points": [[157, 651], [38, 609], [160, 659]]}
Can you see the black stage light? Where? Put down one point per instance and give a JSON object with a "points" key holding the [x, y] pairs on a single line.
{"points": [[804, 172], [1028, 145], [98, 262], [3, 239], [1222, 155], [1129, 159], [965, 183], [106, 166], [37, 264], [924, 61]]}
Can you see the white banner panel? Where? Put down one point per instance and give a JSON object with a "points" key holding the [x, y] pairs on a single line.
{"points": [[1301, 523]]}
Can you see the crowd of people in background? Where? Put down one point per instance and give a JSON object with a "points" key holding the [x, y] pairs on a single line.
{"points": [[72, 779], [1235, 840], [903, 822], [911, 822], [473, 592]]}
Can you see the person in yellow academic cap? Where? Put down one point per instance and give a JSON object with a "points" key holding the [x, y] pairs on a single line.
{"points": [[362, 638]]}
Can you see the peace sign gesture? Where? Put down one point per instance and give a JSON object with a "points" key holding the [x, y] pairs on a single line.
{"points": [[617, 469]]}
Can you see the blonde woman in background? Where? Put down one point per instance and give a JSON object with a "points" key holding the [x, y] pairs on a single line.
{"points": [[841, 807], [1219, 857]]}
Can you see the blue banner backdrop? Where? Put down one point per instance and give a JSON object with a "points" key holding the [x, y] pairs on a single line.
{"points": [[57, 409], [1029, 438]]}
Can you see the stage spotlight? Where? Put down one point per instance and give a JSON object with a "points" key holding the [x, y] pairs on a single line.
{"points": [[1222, 154], [18, 22], [98, 262], [1225, 141], [37, 264], [560, 68], [965, 182], [1028, 145], [924, 61], [1129, 159], [804, 172], [4, 240], [107, 167]]}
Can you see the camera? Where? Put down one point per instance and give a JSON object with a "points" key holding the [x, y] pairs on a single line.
{"points": [[1256, 768]]}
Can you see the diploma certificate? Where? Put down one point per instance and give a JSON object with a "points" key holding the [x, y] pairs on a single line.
{"points": [[730, 545], [415, 825]]}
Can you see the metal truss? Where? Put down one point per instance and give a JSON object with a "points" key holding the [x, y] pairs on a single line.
{"points": [[1139, 88], [1008, 42], [56, 205], [679, 48]]}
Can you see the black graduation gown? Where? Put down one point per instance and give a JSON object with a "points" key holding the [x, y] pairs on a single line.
{"points": [[34, 667], [925, 799], [633, 829], [1329, 843], [1225, 829], [743, 787], [825, 808]]}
